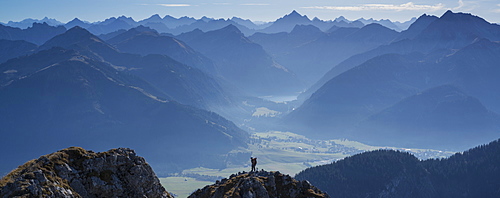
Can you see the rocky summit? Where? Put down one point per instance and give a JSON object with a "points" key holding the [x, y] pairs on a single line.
{"points": [[76, 172], [260, 184]]}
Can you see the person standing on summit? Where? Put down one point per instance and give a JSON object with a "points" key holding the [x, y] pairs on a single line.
{"points": [[254, 163]]}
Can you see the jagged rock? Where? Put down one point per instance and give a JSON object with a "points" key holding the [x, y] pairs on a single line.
{"points": [[260, 184], [75, 172]]}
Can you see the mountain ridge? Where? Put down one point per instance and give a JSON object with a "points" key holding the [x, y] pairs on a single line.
{"points": [[242, 62], [67, 91]]}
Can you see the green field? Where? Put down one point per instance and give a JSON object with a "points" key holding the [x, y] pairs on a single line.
{"points": [[182, 186]]}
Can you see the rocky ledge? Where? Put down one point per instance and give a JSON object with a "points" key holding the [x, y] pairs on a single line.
{"points": [[76, 172], [261, 184]]}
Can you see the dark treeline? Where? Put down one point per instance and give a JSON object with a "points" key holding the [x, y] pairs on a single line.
{"points": [[388, 173]]}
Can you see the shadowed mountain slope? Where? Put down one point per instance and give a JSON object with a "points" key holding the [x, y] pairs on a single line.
{"points": [[12, 49], [287, 23], [382, 82], [428, 35], [442, 117], [61, 94], [183, 83], [144, 41], [242, 62], [310, 53]]}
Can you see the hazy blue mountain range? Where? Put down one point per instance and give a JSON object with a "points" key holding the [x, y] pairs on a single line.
{"points": [[417, 27], [281, 43], [60, 94], [143, 40], [112, 24], [396, 25], [243, 62], [77, 22], [12, 49], [287, 23], [170, 22], [207, 90], [210, 25], [382, 86], [37, 34], [157, 79], [26, 23], [175, 26], [126, 83], [328, 26], [427, 35], [310, 53], [386, 173], [442, 117], [250, 24], [155, 22], [183, 83]]}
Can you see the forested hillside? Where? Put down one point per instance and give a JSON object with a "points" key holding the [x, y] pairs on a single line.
{"points": [[387, 173]]}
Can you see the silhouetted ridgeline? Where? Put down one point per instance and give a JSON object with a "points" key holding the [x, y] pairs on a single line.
{"points": [[387, 173]]}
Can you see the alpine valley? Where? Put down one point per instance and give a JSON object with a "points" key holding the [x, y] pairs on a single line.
{"points": [[364, 108]]}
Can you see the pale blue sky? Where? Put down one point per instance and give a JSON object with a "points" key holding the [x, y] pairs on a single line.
{"points": [[256, 10]]}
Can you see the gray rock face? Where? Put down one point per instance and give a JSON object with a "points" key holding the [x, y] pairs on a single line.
{"points": [[75, 172], [260, 184]]}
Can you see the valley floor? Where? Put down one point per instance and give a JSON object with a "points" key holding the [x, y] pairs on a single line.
{"points": [[286, 152]]}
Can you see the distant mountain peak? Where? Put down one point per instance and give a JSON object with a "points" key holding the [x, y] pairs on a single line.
{"points": [[447, 13], [142, 28], [341, 18], [75, 20], [155, 16], [287, 23], [304, 28], [376, 27], [74, 36], [206, 19], [78, 29], [459, 16], [231, 28], [124, 17], [294, 12], [43, 24], [295, 15], [198, 30], [372, 25]]}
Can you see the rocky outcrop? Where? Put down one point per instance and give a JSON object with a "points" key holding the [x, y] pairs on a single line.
{"points": [[76, 172], [260, 184]]}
